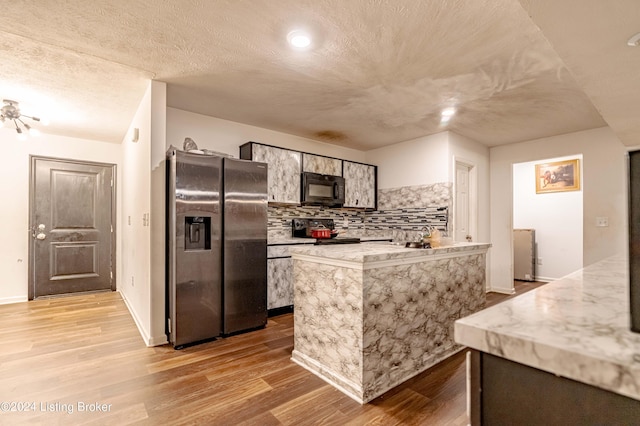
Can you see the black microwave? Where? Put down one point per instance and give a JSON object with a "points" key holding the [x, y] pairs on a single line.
{"points": [[325, 190]]}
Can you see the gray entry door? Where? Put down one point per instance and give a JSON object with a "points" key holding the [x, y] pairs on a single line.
{"points": [[72, 238]]}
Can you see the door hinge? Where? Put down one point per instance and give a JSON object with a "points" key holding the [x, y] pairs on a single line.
{"points": [[169, 324], [111, 275], [112, 228], [112, 183]]}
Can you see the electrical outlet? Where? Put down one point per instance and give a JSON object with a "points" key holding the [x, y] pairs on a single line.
{"points": [[539, 261], [602, 221], [129, 220], [132, 284], [345, 223]]}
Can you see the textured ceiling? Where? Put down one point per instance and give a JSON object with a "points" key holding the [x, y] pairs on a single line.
{"points": [[590, 36], [379, 71]]}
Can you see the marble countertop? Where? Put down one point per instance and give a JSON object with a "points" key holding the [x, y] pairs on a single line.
{"points": [[375, 252], [576, 327]]}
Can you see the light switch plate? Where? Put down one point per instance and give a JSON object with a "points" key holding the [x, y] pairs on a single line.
{"points": [[602, 221]]}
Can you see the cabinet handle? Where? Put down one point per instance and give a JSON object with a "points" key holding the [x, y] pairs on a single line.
{"points": [[357, 201]]}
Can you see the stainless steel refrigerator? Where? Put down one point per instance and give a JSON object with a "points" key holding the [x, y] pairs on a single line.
{"points": [[216, 246]]}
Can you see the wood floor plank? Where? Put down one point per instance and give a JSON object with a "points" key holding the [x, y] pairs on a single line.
{"points": [[86, 349]]}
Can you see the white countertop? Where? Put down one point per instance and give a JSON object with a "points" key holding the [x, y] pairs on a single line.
{"points": [[375, 252], [576, 327]]}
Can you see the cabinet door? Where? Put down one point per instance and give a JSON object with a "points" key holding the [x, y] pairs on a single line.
{"points": [[322, 165], [283, 179], [279, 282], [360, 185]]}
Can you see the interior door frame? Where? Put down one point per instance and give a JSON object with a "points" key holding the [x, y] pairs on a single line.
{"points": [[473, 195], [32, 193]]}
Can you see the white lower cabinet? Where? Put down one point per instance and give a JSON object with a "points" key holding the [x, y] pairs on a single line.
{"points": [[279, 276], [279, 282]]}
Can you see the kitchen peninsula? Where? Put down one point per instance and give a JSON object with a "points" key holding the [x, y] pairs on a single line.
{"points": [[561, 354], [370, 316]]}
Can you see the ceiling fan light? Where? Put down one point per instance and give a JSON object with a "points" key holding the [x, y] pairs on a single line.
{"points": [[11, 112], [634, 41]]}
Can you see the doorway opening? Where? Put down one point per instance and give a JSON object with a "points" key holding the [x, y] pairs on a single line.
{"points": [[556, 219]]}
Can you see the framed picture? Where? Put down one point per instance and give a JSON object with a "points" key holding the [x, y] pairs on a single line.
{"points": [[558, 176]]}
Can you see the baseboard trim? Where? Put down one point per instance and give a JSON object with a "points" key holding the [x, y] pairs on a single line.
{"points": [[14, 299], [158, 340], [501, 290], [143, 333], [274, 312]]}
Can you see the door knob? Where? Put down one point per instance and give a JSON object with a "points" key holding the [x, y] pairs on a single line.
{"points": [[41, 236], [41, 227]]}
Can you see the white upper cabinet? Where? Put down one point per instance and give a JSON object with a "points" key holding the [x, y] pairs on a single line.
{"points": [[286, 165], [322, 165], [360, 185], [283, 178]]}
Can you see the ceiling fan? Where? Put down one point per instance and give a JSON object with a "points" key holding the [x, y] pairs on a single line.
{"points": [[11, 112]]}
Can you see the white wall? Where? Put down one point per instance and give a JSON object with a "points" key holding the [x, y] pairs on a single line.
{"points": [[604, 194], [419, 161], [556, 218], [158, 184], [143, 281], [14, 191], [227, 136], [134, 282], [431, 159]]}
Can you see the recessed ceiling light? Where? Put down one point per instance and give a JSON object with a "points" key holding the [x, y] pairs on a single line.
{"points": [[634, 40], [299, 39], [448, 112]]}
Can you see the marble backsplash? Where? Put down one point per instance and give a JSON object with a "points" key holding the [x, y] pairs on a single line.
{"points": [[418, 196], [279, 219], [402, 213]]}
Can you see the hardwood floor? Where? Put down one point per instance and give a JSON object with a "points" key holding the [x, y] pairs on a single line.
{"points": [[520, 287], [80, 360]]}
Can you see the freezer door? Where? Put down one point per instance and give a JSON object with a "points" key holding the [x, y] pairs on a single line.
{"points": [[245, 245], [194, 247]]}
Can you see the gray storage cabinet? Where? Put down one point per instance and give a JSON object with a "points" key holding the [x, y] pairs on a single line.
{"points": [[524, 254]]}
